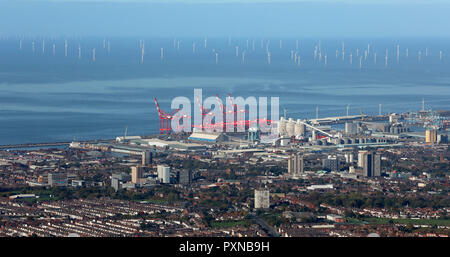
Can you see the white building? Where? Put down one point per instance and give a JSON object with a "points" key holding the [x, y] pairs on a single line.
{"points": [[164, 174], [262, 199]]}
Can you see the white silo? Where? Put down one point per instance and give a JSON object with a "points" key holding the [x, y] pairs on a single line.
{"points": [[299, 128], [282, 126], [290, 127]]}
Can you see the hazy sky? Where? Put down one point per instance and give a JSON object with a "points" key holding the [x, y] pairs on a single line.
{"points": [[295, 18]]}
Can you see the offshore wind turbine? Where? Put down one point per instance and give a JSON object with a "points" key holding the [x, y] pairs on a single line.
{"points": [[93, 55], [398, 54], [343, 51], [351, 58], [109, 47], [162, 53], [20, 44], [206, 41], [142, 52], [65, 47], [419, 56], [281, 44], [32, 46], [407, 53], [298, 61], [237, 51], [79, 51], [54, 49], [375, 58], [193, 47], [243, 57], [440, 55], [217, 58], [268, 57], [360, 62], [43, 46], [386, 59]]}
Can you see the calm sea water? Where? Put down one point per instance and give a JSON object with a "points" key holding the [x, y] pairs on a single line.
{"points": [[46, 97]]}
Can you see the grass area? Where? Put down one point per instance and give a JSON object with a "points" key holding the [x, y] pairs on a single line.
{"points": [[231, 223], [438, 222]]}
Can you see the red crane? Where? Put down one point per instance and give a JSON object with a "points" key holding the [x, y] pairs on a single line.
{"points": [[165, 119]]}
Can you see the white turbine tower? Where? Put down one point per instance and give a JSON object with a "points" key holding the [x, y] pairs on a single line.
{"points": [[193, 47], [79, 51], [162, 53], [268, 57], [93, 55], [43, 46], [386, 59], [32, 47], [237, 51], [243, 57], [54, 49], [65, 48], [398, 54], [351, 58], [20, 44], [217, 58]]}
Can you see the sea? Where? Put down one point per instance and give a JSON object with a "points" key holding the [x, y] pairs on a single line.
{"points": [[47, 95]]}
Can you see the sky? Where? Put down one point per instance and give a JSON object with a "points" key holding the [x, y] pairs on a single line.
{"points": [[243, 18]]}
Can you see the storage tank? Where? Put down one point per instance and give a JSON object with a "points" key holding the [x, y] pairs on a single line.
{"points": [[290, 127], [299, 128], [282, 126]]}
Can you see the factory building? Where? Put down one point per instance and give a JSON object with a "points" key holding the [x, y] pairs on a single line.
{"points": [[262, 199], [208, 137], [57, 179], [117, 180]]}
